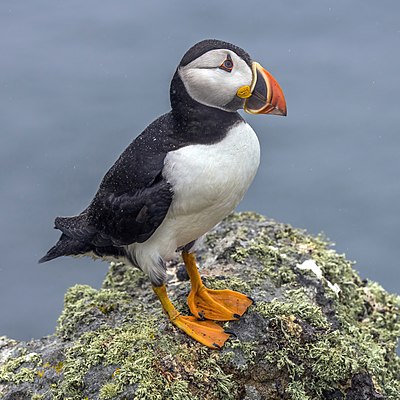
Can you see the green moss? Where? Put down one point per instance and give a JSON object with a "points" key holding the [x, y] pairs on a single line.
{"points": [[245, 216], [85, 304], [247, 350], [279, 312], [59, 367], [318, 363], [296, 391], [231, 282], [109, 391], [20, 368], [275, 246]]}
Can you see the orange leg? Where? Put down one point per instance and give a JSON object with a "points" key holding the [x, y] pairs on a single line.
{"points": [[218, 305], [206, 332]]}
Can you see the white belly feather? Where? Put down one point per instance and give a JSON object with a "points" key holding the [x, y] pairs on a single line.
{"points": [[208, 182]]}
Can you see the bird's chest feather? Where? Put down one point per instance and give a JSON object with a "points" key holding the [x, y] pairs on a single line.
{"points": [[213, 177]]}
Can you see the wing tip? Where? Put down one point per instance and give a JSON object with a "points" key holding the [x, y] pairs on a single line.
{"points": [[48, 257]]}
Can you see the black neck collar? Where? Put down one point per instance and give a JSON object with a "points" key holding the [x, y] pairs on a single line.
{"points": [[191, 114]]}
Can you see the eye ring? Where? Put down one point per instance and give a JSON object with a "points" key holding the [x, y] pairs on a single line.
{"points": [[227, 65]]}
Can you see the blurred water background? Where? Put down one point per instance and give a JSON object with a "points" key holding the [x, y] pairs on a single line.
{"points": [[79, 80]]}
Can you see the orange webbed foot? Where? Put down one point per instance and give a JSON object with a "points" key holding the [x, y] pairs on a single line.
{"points": [[218, 305], [208, 333]]}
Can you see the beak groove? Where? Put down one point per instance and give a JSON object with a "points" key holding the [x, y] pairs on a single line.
{"points": [[266, 95]]}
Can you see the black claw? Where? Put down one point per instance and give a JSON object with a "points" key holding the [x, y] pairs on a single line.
{"points": [[229, 332], [251, 299], [217, 346], [201, 315], [237, 316]]}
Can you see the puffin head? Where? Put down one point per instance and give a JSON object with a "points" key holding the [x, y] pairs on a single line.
{"points": [[221, 75]]}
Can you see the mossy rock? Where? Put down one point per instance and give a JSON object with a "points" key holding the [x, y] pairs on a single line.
{"points": [[319, 333]]}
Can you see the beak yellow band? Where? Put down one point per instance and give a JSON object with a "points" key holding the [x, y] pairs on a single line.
{"points": [[244, 92]]}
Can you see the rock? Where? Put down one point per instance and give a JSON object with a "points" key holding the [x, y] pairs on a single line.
{"points": [[316, 331]]}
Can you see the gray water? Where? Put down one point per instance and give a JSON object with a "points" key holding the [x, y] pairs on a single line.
{"points": [[79, 80]]}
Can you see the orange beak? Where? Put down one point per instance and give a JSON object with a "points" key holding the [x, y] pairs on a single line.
{"points": [[266, 94]]}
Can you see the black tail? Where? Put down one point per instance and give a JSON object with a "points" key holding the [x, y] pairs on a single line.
{"points": [[76, 227], [66, 246]]}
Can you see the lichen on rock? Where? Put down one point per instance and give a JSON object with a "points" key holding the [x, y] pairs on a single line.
{"points": [[301, 339]]}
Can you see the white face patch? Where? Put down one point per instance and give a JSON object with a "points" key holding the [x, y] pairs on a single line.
{"points": [[212, 86]]}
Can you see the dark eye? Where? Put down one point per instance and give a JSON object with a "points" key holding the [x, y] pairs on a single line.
{"points": [[227, 65]]}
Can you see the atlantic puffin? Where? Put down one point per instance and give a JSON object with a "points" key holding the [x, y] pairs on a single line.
{"points": [[178, 179]]}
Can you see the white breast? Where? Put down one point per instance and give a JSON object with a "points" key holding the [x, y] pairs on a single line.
{"points": [[208, 182], [213, 176]]}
